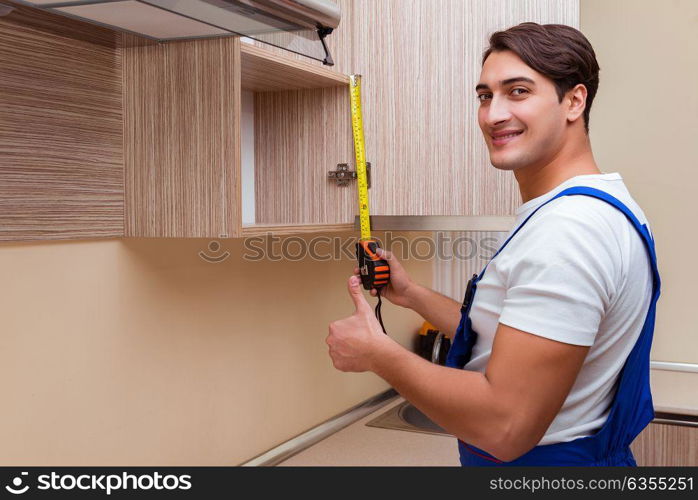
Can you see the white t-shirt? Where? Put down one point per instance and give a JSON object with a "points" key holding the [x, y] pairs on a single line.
{"points": [[578, 273]]}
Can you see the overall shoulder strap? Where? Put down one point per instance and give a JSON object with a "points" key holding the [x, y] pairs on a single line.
{"points": [[602, 195], [642, 229], [517, 230]]}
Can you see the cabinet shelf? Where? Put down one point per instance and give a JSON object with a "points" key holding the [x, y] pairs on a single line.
{"points": [[265, 71]]}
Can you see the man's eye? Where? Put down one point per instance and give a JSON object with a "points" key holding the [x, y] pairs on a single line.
{"points": [[483, 97], [522, 90]]}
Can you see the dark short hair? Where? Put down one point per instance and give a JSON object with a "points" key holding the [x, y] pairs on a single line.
{"points": [[559, 52]]}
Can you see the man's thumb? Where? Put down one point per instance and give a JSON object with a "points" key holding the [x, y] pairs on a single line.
{"points": [[357, 296]]}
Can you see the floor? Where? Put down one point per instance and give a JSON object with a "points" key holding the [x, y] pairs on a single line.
{"points": [[358, 445]]}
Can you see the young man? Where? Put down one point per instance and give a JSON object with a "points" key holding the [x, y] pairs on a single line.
{"points": [[551, 345]]}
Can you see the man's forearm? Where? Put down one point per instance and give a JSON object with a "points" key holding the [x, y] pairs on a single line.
{"points": [[462, 402], [441, 311]]}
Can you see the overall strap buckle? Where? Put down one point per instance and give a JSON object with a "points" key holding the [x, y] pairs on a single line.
{"points": [[469, 291]]}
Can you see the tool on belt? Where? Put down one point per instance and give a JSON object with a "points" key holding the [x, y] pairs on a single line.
{"points": [[374, 271]]}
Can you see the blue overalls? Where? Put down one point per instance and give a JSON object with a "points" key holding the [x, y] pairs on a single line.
{"points": [[631, 409]]}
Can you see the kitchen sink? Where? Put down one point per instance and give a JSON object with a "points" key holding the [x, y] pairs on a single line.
{"points": [[406, 417]]}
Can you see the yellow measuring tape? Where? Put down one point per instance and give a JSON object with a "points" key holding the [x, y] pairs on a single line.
{"points": [[360, 152], [374, 270]]}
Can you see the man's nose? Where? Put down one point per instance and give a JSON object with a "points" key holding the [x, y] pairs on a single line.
{"points": [[498, 111]]}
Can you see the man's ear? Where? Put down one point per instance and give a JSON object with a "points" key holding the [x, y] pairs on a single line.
{"points": [[576, 100]]}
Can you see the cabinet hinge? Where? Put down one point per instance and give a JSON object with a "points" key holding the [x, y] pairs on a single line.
{"points": [[343, 175]]}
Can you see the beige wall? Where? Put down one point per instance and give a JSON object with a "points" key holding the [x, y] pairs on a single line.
{"points": [[139, 352], [644, 124]]}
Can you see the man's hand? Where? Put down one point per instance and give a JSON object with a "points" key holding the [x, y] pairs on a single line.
{"points": [[439, 310], [355, 341], [400, 285]]}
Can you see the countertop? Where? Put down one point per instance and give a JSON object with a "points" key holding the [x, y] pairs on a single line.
{"points": [[358, 445]]}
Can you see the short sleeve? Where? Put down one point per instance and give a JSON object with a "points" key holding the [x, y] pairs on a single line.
{"points": [[560, 272]]}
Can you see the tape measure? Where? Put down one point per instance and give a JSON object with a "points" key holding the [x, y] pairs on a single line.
{"points": [[375, 272]]}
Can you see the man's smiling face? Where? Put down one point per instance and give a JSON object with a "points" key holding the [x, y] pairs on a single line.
{"points": [[520, 116]]}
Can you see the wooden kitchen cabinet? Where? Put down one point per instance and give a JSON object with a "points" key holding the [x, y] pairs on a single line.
{"points": [[183, 144], [668, 444], [420, 61], [110, 135], [299, 135], [150, 144]]}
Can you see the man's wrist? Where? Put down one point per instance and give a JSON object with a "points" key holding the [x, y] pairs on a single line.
{"points": [[412, 295], [383, 352]]}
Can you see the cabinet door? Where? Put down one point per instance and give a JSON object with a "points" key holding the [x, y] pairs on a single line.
{"points": [[181, 138], [420, 60], [61, 134], [667, 445]]}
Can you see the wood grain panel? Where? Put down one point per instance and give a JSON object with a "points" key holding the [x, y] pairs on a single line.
{"points": [[264, 229], [182, 148], [420, 60], [300, 136], [667, 445], [61, 142], [263, 70]]}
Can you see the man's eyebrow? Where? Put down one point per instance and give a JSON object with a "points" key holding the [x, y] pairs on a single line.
{"points": [[508, 81]]}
